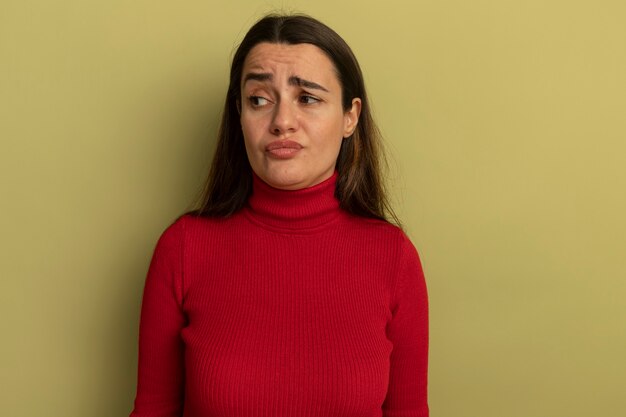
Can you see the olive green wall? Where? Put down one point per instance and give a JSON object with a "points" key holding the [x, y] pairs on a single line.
{"points": [[506, 127]]}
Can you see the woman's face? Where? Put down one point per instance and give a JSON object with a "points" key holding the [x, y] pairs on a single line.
{"points": [[291, 114]]}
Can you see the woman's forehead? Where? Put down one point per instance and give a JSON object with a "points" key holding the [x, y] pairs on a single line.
{"points": [[299, 60]]}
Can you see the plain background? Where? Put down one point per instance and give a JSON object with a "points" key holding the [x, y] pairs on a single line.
{"points": [[505, 123]]}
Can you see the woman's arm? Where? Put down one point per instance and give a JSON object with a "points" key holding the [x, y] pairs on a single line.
{"points": [[160, 382], [408, 331]]}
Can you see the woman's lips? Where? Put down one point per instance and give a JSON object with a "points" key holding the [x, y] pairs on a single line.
{"points": [[283, 149]]}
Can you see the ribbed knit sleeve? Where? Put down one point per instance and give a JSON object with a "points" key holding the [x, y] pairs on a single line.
{"points": [[408, 331], [160, 384]]}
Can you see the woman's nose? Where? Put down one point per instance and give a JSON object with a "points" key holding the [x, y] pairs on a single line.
{"points": [[285, 118]]}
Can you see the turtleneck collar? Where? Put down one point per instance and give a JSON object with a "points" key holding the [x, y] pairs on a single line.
{"points": [[295, 210]]}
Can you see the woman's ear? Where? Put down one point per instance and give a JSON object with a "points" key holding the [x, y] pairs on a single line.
{"points": [[238, 104], [351, 118]]}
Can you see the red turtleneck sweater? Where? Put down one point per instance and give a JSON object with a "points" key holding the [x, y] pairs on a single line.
{"points": [[289, 308]]}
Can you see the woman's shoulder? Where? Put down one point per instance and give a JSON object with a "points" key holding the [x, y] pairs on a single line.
{"points": [[381, 230], [192, 221], [190, 225]]}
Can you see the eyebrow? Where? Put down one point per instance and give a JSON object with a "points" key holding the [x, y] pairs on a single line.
{"points": [[293, 80]]}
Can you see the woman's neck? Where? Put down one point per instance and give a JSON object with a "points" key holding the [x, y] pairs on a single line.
{"points": [[307, 208]]}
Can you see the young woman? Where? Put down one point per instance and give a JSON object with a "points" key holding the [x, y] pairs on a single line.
{"points": [[288, 292]]}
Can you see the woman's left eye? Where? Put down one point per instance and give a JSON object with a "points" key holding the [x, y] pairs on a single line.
{"points": [[258, 101], [306, 99]]}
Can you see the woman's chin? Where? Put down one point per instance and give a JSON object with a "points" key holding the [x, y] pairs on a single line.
{"points": [[285, 178], [286, 181], [290, 177]]}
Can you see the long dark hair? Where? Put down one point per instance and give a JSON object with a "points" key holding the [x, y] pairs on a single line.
{"points": [[359, 186]]}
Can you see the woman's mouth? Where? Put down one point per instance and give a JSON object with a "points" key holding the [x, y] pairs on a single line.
{"points": [[283, 149]]}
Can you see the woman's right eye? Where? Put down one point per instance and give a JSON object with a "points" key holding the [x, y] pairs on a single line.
{"points": [[258, 101]]}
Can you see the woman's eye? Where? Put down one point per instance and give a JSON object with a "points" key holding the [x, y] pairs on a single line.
{"points": [[258, 101], [306, 99]]}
